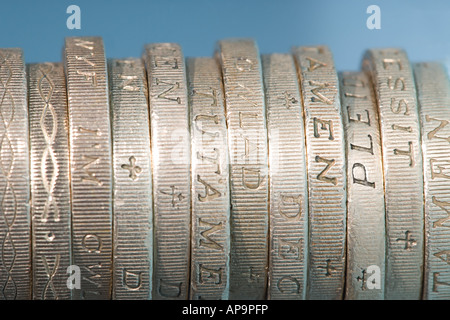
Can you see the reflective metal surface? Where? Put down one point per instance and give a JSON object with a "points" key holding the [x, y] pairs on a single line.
{"points": [[169, 123], [50, 181], [326, 165], [247, 143], [237, 176], [133, 205], [394, 87], [90, 165]]}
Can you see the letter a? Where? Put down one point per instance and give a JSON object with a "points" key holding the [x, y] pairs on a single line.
{"points": [[374, 280], [74, 280], [374, 21], [74, 20]]}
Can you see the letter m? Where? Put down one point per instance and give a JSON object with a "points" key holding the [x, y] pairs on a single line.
{"points": [[206, 241]]}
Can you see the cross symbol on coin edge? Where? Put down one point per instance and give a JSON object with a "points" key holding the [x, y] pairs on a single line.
{"points": [[289, 100], [362, 279], [329, 268], [174, 195], [409, 242], [133, 168], [252, 276]]}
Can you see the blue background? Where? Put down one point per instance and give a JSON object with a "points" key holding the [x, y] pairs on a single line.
{"points": [[420, 27]]}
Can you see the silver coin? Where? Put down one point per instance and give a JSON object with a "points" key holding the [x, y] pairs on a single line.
{"points": [[50, 181], [365, 189], [132, 205], [288, 181], [247, 138], [90, 164], [15, 220], [326, 172], [210, 244], [170, 141], [433, 92], [391, 74]]}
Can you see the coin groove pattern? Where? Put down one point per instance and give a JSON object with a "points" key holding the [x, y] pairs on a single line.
{"points": [[15, 255], [391, 74], [326, 171], [170, 141], [133, 206], [247, 143], [210, 240], [288, 180], [433, 92], [90, 164], [50, 185], [365, 189]]}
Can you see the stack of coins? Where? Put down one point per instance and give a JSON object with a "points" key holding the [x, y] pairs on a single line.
{"points": [[237, 176]]}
